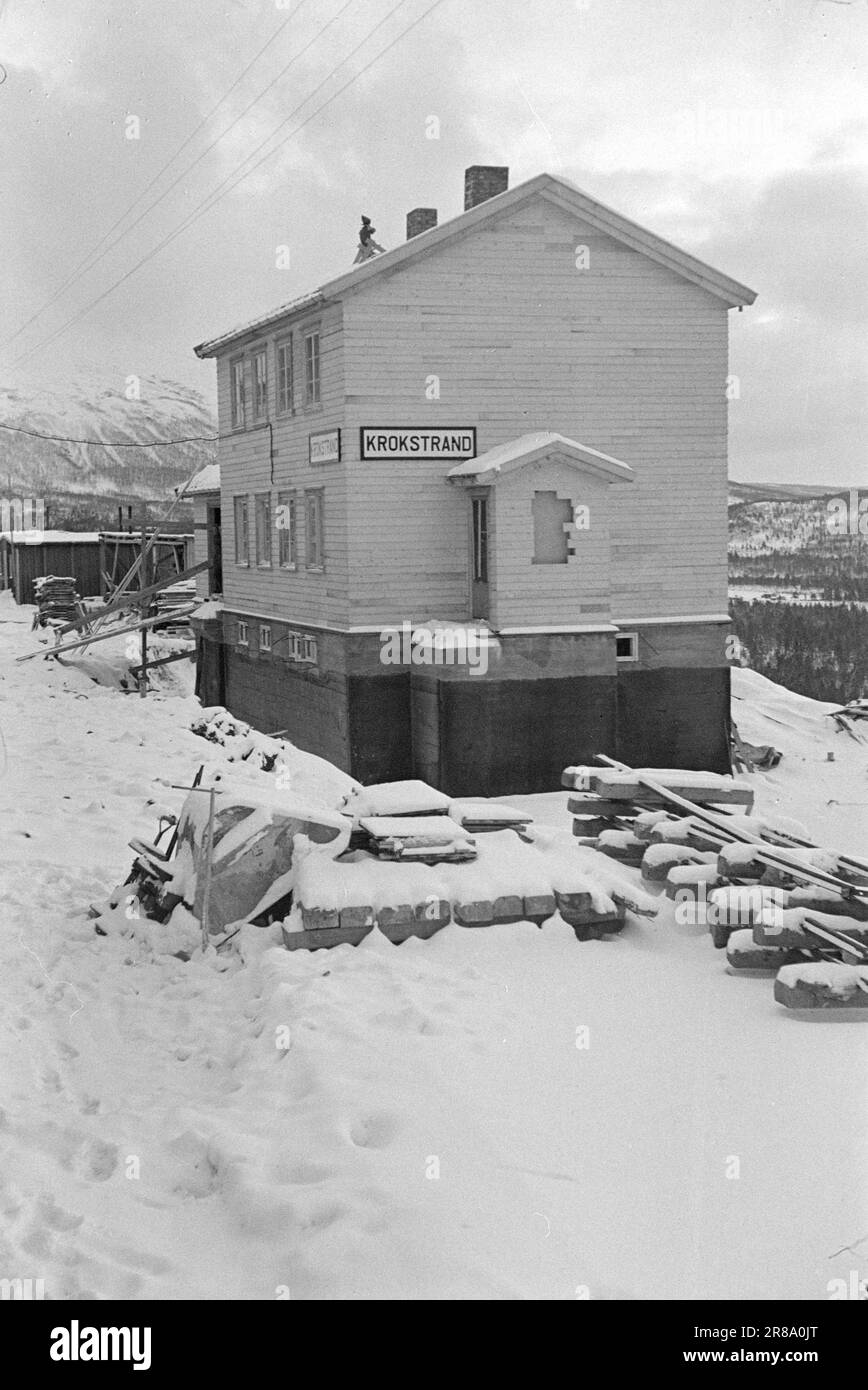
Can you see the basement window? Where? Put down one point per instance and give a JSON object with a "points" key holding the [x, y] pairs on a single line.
{"points": [[627, 646], [243, 635], [264, 638]]}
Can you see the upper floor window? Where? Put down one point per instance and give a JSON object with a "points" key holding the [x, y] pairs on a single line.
{"points": [[260, 384], [238, 394], [263, 528], [311, 367], [287, 548], [242, 531], [314, 546], [284, 377]]}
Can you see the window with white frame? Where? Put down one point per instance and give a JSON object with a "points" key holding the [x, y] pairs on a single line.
{"points": [[313, 529], [242, 531], [263, 528], [627, 646], [264, 637], [260, 384], [284, 377], [293, 646], [308, 648], [243, 636], [239, 418], [287, 544], [311, 367]]}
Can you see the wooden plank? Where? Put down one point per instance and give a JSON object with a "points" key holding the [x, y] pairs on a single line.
{"points": [[639, 791], [188, 655], [848, 992], [161, 619], [129, 600], [326, 937]]}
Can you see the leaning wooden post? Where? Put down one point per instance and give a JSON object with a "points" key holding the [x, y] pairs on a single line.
{"points": [[143, 581], [209, 846]]}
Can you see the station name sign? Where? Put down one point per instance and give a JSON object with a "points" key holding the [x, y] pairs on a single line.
{"points": [[453, 443], [325, 447]]}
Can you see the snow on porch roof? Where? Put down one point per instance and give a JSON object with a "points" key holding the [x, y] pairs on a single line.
{"points": [[206, 480], [530, 447]]}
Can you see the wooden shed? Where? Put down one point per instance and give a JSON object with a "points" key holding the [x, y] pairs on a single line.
{"points": [[26, 555]]}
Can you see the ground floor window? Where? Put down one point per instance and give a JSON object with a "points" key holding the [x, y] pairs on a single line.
{"points": [[242, 531], [314, 529], [287, 531], [263, 528]]}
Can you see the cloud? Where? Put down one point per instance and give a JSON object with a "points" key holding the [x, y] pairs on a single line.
{"points": [[735, 130]]}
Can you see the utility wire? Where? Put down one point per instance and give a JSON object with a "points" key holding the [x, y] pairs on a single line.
{"points": [[212, 199], [107, 444], [94, 257]]}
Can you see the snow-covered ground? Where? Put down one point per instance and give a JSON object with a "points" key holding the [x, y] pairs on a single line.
{"points": [[500, 1113]]}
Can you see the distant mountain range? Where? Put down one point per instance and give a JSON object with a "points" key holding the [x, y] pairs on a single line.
{"points": [[740, 493], [102, 412]]}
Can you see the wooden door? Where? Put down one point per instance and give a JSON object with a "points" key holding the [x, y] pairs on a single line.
{"points": [[479, 530]]}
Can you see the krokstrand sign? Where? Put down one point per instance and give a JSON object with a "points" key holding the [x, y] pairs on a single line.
{"points": [[387, 442]]}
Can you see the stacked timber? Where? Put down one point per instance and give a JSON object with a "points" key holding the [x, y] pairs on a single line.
{"points": [[174, 597], [607, 802], [57, 599], [418, 860], [778, 903]]}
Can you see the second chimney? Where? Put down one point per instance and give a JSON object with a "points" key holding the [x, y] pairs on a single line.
{"points": [[484, 181], [420, 220]]}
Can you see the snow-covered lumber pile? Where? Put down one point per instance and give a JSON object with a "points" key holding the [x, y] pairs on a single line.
{"points": [[57, 599], [511, 879]]}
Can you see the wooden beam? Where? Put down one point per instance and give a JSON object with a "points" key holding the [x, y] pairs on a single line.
{"points": [[162, 619], [128, 600]]}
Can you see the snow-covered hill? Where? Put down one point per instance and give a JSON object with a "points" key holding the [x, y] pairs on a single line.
{"points": [[110, 411], [395, 1122]]}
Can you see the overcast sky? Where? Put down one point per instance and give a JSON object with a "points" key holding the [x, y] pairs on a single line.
{"points": [[736, 128]]}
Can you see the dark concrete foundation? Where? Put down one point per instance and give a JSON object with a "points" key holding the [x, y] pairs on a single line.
{"points": [[511, 730]]}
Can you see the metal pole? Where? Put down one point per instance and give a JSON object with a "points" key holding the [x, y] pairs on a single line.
{"points": [[143, 665]]}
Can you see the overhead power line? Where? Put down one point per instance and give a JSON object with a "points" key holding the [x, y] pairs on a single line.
{"points": [[232, 181], [96, 255], [107, 444]]}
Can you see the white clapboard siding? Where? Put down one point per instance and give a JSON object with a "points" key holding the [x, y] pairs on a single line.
{"points": [[246, 469], [623, 356]]}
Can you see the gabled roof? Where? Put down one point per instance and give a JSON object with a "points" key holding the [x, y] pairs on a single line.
{"points": [[527, 448], [559, 191]]}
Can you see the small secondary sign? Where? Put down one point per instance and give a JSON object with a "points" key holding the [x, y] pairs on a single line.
{"points": [[453, 443], [325, 447]]}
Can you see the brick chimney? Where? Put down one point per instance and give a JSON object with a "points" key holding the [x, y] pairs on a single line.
{"points": [[484, 181], [420, 220]]}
